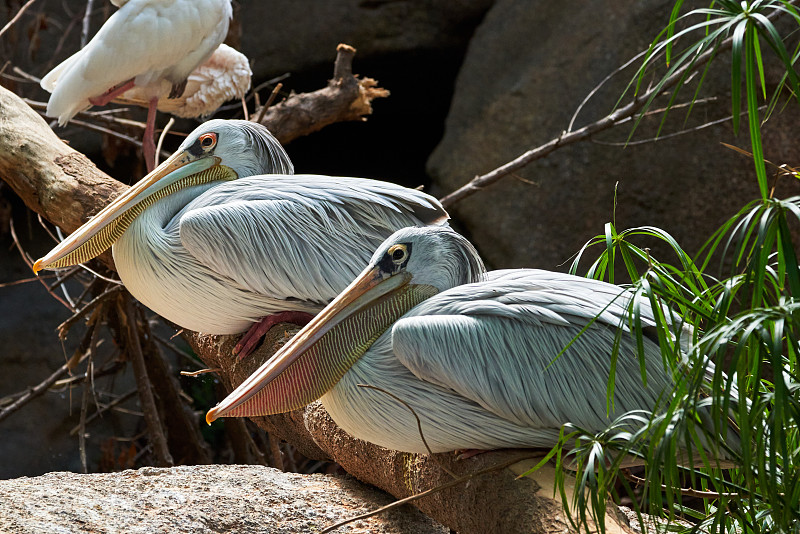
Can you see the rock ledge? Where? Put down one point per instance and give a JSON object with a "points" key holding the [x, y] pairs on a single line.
{"points": [[217, 498]]}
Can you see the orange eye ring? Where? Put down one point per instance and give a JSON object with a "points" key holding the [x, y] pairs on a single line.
{"points": [[208, 140]]}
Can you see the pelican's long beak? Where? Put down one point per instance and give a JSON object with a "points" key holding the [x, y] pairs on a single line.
{"points": [[314, 360], [101, 231]]}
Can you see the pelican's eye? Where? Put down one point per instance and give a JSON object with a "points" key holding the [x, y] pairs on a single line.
{"points": [[398, 253], [208, 140], [395, 259]]}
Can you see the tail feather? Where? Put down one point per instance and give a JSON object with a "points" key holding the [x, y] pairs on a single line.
{"points": [[58, 105]]}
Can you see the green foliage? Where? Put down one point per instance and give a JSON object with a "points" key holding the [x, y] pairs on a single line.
{"points": [[734, 24], [736, 303]]}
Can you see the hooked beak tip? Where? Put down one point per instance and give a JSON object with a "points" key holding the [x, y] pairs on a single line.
{"points": [[37, 266], [211, 416]]}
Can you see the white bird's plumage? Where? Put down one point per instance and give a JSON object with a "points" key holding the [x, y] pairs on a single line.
{"points": [[222, 77], [147, 40]]}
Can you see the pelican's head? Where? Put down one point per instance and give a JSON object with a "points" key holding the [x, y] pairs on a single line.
{"points": [[409, 267], [431, 255], [246, 147], [216, 150]]}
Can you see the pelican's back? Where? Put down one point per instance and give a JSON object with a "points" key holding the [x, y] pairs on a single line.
{"points": [[326, 226]]}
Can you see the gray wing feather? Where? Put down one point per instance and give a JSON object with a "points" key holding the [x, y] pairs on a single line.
{"points": [[498, 343], [298, 237]]}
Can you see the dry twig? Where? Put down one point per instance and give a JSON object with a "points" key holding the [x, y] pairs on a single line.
{"points": [[200, 372], [64, 327], [84, 408], [104, 408], [155, 429], [689, 492], [16, 17], [28, 261], [457, 481], [269, 102], [34, 392], [161, 137], [275, 452], [85, 25]]}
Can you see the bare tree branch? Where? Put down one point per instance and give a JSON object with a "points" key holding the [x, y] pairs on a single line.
{"points": [[569, 136], [86, 20], [34, 392], [16, 17], [155, 428], [346, 98]]}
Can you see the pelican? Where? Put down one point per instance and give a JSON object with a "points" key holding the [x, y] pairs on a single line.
{"points": [[151, 44], [223, 76], [212, 244], [477, 356]]}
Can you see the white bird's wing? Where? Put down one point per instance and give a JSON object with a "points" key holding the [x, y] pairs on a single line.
{"points": [[261, 230], [498, 343], [149, 40]]}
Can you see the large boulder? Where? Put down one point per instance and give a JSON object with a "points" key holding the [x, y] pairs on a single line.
{"points": [[528, 67], [222, 498], [288, 36]]}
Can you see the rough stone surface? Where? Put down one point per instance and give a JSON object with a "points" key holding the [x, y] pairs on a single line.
{"points": [[284, 36], [528, 67], [229, 499]]}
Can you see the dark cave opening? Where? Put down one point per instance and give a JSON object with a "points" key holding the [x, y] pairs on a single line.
{"points": [[394, 142]]}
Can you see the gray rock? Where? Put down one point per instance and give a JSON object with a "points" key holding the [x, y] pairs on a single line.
{"points": [[528, 67], [288, 36], [223, 498]]}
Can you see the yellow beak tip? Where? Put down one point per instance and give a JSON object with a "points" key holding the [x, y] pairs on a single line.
{"points": [[211, 416], [37, 266]]}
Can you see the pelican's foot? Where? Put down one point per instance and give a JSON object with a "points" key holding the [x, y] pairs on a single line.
{"points": [[463, 454], [252, 337]]}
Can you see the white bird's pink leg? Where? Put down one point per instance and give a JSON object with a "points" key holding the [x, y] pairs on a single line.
{"points": [[111, 94], [249, 341], [148, 143]]}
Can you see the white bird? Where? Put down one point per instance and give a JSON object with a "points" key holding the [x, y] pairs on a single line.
{"points": [[224, 76], [142, 44], [478, 357], [212, 244]]}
